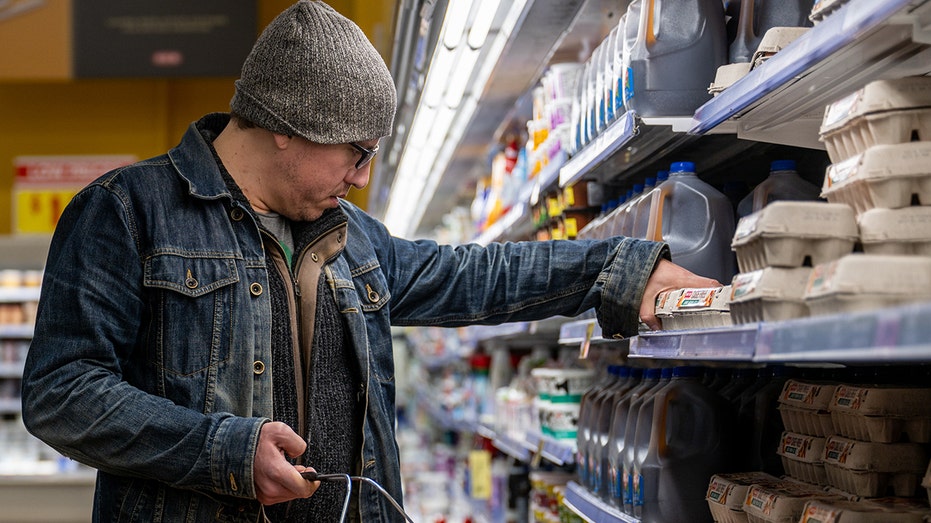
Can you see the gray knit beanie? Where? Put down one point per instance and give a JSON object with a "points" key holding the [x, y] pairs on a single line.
{"points": [[313, 73]]}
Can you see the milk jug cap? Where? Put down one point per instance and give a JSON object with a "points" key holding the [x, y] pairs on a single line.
{"points": [[650, 181], [682, 167], [661, 176], [622, 371], [638, 188], [782, 165], [686, 372], [652, 374], [667, 373]]}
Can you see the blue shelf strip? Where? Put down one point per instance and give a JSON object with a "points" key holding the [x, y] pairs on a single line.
{"points": [[837, 31], [592, 508]]}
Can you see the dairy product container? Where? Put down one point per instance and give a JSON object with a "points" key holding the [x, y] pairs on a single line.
{"points": [[859, 282], [769, 294], [786, 233], [630, 32], [554, 382], [801, 457], [726, 75], [638, 414], [756, 18], [896, 231], [665, 303], [561, 419], [699, 308], [874, 469], [774, 41], [726, 494], [885, 176], [883, 112], [783, 183], [781, 503], [804, 407], [886, 510], [760, 423], [696, 220], [614, 450], [678, 47], [601, 428], [884, 414], [588, 407]]}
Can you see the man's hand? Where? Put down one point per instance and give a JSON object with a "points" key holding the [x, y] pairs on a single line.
{"points": [[277, 480], [668, 276]]}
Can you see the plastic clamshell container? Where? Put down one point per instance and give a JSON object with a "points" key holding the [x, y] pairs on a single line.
{"points": [[884, 176], [782, 503], [896, 231], [883, 510], [774, 40], [727, 492], [727, 75], [859, 282], [785, 233], [803, 407], [700, 308], [801, 457], [770, 294], [882, 414], [872, 469]]}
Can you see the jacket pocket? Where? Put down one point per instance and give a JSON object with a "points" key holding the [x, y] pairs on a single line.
{"points": [[190, 310]]}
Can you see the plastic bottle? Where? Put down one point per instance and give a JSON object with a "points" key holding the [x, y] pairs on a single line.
{"points": [[741, 378], [641, 213], [783, 183], [679, 46], [614, 451], [759, 416], [630, 209], [610, 75], [696, 220], [586, 406], [618, 90], [688, 439], [596, 90], [601, 426], [758, 16], [631, 28], [630, 433]]}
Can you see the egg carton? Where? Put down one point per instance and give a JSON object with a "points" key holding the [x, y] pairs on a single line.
{"points": [[801, 457], [769, 294], [782, 503], [883, 510], [874, 469], [884, 176], [882, 112], [773, 41], [896, 231], [726, 494], [803, 408], [823, 8], [859, 282], [726, 75], [882, 414], [697, 308], [785, 233]]}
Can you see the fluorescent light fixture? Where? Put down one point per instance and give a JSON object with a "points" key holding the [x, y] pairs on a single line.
{"points": [[484, 16], [440, 69], [454, 22], [460, 76]]}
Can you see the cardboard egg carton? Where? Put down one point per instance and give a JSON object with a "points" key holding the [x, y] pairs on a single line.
{"points": [[872, 469], [882, 112], [803, 407], [696, 308], [883, 176], [769, 294], [785, 233], [882, 414], [801, 457], [726, 75], [773, 41], [859, 282], [726, 494], [883, 510], [896, 231], [782, 503]]}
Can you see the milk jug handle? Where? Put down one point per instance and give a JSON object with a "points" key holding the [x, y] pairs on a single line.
{"points": [[655, 224], [660, 431], [760, 197]]}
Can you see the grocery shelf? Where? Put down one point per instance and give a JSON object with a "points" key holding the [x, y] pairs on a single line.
{"points": [[18, 294], [736, 343], [591, 508], [16, 331], [578, 331], [782, 101], [11, 370], [558, 452], [11, 406], [517, 334]]}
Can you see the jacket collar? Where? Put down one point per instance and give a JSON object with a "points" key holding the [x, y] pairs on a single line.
{"points": [[204, 178]]}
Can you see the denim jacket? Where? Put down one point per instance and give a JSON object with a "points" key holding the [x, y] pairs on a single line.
{"points": [[151, 355]]}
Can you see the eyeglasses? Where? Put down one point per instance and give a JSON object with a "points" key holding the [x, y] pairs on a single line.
{"points": [[367, 154]]}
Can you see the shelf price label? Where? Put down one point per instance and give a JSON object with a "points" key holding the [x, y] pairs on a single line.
{"points": [[480, 474]]}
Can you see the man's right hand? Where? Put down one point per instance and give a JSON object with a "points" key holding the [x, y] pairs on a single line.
{"points": [[276, 479]]}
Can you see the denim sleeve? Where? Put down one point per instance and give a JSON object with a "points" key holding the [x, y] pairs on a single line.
{"points": [[88, 333], [450, 286]]}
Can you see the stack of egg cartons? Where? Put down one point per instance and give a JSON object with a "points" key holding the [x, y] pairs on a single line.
{"points": [[727, 492], [879, 139], [871, 511], [775, 247], [803, 407]]}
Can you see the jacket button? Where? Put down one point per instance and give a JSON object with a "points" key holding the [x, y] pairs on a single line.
{"points": [[237, 214], [256, 289], [258, 367]]}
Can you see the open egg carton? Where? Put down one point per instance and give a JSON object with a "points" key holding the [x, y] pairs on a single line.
{"points": [[769, 294], [884, 414], [781, 503], [727, 492], [803, 407], [869, 469], [801, 457], [884, 176], [859, 282], [694, 308], [786, 233], [882, 112], [880, 510]]}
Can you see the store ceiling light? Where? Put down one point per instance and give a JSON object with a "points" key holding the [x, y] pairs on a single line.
{"points": [[455, 81]]}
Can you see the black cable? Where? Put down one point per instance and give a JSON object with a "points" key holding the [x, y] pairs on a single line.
{"points": [[311, 475]]}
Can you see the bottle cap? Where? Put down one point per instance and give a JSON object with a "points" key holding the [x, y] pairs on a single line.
{"points": [[782, 165], [682, 167]]}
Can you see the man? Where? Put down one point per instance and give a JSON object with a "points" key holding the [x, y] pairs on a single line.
{"points": [[216, 320]]}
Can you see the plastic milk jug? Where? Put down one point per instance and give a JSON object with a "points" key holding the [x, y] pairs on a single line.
{"points": [[758, 16], [630, 435], [783, 183]]}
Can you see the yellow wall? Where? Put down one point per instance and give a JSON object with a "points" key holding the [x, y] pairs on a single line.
{"points": [[141, 117]]}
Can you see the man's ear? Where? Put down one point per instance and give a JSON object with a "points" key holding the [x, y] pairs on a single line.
{"points": [[282, 141]]}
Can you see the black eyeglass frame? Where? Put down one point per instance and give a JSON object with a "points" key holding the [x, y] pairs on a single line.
{"points": [[367, 154]]}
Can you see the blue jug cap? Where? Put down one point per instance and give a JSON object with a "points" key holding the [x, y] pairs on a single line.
{"points": [[652, 374], [686, 372], [682, 167], [650, 181], [622, 371], [667, 373], [638, 188], [661, 176], [636, 372], [782, 165]]}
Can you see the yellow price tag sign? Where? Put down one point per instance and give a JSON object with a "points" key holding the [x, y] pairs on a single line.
{"points": [[480, 474], [38, 211]]}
